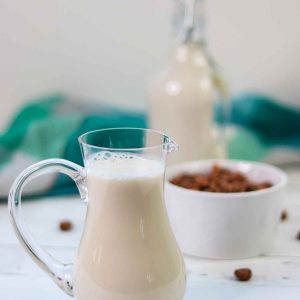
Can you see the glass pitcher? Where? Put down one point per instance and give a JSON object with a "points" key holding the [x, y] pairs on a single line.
{"points": [[127, 250]]}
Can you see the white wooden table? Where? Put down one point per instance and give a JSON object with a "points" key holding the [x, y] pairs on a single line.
{"points": [[276, 276]]}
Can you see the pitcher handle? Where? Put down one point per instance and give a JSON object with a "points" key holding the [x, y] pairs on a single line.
{"points": [[61, 273]]}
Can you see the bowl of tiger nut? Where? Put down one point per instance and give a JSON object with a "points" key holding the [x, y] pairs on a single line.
{"points": [[224, 209]]}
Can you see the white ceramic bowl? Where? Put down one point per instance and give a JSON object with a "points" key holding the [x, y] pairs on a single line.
{"points": [[225, 225]]}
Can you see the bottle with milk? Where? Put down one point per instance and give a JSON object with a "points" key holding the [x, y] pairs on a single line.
{"points": [[127, 250], [183, 95]]}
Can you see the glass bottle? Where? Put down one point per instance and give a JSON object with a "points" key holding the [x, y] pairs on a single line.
{"points": [[184, 95]]}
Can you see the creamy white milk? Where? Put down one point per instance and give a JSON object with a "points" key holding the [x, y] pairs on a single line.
{"points": [[127, 251], [181, 104]]}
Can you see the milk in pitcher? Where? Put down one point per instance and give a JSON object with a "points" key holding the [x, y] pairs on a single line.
{"points": [[127, 251]]}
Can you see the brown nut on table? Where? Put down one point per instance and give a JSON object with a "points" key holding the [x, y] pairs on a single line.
{"points": [[65, 225], [284, 215], [243, 274]]}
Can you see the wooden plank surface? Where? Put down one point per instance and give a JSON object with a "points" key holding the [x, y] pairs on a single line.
{"points": [[276, 276]]}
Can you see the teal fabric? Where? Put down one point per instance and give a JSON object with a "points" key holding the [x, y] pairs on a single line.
{"points": [[275, 123], [246, 145], [49, 127], [16, 131], [263, 124], [12, 138]]}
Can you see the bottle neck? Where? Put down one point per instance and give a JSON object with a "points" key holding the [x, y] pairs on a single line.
{"points": [[189, 21]]}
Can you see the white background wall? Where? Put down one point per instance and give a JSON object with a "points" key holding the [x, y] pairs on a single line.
{"points": [[109, 49]]}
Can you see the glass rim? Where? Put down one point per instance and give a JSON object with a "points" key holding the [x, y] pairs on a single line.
{"points": [[163, 135]]}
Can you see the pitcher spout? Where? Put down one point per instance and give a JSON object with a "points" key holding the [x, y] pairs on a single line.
{"points": [[171, 146]]}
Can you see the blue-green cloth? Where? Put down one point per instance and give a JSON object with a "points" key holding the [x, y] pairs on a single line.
{"points": [[263, 124], [49, 127]]}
